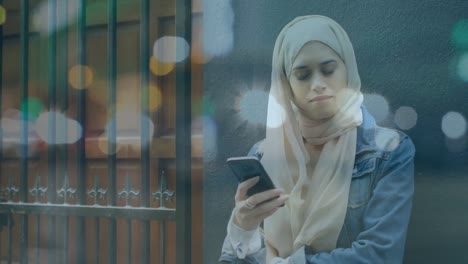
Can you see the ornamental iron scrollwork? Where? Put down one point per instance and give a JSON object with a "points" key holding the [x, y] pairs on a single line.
{"points": [[163, 194], [128, 192], [38, 190], [97, 193], [66, 191]]}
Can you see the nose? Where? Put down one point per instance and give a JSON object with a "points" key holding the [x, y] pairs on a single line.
{"points": [[318, 85]]}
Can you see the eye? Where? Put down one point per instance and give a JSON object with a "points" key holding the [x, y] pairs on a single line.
{"points": [[328, 72], [302, 75], [328, 69]]}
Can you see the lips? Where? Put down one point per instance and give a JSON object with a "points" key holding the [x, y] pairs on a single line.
{"points": [[320, 98]]}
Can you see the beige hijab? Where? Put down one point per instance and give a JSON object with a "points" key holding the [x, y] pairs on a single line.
{"points": [[318, 199]]}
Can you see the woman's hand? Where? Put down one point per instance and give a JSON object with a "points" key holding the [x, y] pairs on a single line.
{"points": [[249, 213], [271, 252]]}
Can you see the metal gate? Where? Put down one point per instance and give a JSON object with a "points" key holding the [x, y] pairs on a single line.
{"points": [[50, 212]]}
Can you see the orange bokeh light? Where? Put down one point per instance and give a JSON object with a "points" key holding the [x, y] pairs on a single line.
{"points": [[155, 99], [74, 76], [160, 68]]}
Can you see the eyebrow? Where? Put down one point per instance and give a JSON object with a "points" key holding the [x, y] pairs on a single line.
{"points": [[302, 67], [328, 61]]}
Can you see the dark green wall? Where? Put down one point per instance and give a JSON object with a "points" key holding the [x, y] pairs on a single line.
{"points": [[405, 53]]}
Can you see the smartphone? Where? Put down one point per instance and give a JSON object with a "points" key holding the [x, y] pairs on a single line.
{"points": [[245, 168]]}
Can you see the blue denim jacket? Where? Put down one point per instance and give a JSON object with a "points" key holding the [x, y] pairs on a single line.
{"points": [[379, 204]]}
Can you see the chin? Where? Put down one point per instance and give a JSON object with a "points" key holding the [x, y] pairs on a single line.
{"points": [[323, 113]]}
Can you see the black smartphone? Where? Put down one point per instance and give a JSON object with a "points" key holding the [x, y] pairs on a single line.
{"points": [[245, 168]]}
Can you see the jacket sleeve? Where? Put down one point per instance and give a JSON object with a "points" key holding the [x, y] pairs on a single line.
{"points": [[386, 216]]}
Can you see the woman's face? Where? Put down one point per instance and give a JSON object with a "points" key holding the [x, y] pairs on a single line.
{"points": [[318, 74]]}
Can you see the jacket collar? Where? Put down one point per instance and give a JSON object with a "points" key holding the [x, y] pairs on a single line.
{"points": [[366, 132]]}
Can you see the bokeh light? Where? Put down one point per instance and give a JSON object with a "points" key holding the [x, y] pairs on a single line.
{"points": [[160, 68], [460, 34], [155, 97], [12, 125], [406, 117], [40, 16], [74, 76], [377, 106], [454, 125], [276, 115], [250, 106], [11, 113], [218, 32], [31, 108], [3, 15], [74, 130], [170, 49], [387, 139], [462, 67], [128, 128]]}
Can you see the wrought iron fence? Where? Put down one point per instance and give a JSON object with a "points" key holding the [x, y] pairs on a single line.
{"points": [[58, 204]]}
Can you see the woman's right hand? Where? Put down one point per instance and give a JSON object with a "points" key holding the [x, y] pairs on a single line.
{"points": [[249, 213]]}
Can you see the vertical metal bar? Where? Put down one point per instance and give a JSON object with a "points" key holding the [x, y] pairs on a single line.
{"points": [[80, 145], [162, 239], [62, 93], [129, 241], [51, 155], [162, 223], [183, 21], [112, 64], [145, 137], [9, 240], [96, 239], [1, 93], [24, 137], [38, 226], [1, 99]]}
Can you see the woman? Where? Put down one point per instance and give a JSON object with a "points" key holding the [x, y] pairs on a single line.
{"points": [[346, 183]]}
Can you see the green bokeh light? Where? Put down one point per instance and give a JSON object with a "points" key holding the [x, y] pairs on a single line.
{"points": [[33, 107], [460, 34], [2, 15]]}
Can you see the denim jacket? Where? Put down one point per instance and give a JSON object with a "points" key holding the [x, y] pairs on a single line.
{"points": [[379, 203]]}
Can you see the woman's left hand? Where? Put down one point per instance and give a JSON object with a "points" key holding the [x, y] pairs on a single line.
{"points": [[271, 252]]}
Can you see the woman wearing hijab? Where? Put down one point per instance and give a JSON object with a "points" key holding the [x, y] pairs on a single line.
{"points": [[346, 183]]}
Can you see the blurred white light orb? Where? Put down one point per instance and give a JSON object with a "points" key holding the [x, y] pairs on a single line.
{"points": [[170, 49], [40, 16], [276, 113], [67, 131], [387, 139], [249, 106], [454, 125], [377, 106], [406, 117]]}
